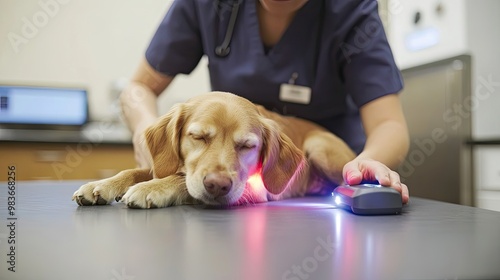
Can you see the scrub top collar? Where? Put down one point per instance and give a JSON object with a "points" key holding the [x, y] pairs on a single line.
{"points": [[300, 27]]}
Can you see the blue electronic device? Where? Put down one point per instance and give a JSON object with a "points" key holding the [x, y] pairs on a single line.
{"points": [[40, 106], [368, 199]]}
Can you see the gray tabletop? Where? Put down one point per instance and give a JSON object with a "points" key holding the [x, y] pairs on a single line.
{"points": [[304, 238]]}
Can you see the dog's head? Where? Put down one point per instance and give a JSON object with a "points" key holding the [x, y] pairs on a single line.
{"points": [[219, 140]]}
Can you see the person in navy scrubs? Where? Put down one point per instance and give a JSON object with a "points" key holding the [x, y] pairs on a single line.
{"points": [[332, 54]]}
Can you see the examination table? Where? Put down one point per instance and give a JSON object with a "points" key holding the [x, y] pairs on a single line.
{"points": [[303, 238]]}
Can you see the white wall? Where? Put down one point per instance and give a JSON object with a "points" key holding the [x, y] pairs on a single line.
{"points": [[483, 29], [463, 26], [95, 43], [440, 33], [84, 42]]}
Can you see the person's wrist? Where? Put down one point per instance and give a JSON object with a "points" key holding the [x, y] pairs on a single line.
{"points": [[141, 126], [140, 147], [363, 156]]}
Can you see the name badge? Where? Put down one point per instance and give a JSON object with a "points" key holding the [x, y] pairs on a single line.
{"points": [[295, 94]]}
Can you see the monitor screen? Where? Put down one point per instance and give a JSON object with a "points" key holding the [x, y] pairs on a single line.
{"points": [[43, 105]]}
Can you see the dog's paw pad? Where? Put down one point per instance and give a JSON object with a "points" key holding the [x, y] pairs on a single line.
{"points": [[118, 198], [151, 204], [132, 205], [91, 194], [100, 201], [82, 201], [151, 194]]}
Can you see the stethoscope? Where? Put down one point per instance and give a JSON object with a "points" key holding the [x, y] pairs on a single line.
{"points": [[223, 49]]}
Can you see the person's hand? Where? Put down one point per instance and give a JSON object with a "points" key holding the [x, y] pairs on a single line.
{"points": [[360, 170]]}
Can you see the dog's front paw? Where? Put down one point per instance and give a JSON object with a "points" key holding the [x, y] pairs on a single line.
{"points": [[153, 194], [100, 192]]}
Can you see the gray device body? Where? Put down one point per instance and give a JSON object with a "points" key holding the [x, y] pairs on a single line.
{"points": [[368, 199]]}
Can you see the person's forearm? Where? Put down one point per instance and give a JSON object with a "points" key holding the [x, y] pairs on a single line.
{"points": [[387, 143], [139, 106], [138, 100]]}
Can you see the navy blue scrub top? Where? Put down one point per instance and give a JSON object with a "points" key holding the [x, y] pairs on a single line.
{"points": [[338, 48]]}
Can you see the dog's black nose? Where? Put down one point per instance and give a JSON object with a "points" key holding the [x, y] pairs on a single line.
{"points": [[217, 184]]}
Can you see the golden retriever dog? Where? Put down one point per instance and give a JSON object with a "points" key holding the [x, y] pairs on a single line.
{"points": [[220, 149]]}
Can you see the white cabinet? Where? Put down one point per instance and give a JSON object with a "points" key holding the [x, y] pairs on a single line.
{"points": [[487, 176], [424, 31], [488, 200]]}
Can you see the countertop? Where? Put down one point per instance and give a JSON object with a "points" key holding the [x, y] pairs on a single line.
{"points": [[484, 142], [304, 238], [106, 133]]}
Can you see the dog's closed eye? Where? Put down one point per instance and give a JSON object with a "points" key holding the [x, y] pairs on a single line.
{"points": [[199, 132], [199, 137], [247, 144]]}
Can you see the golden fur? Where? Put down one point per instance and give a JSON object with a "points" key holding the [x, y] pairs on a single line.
{"points": [[206, 149]]}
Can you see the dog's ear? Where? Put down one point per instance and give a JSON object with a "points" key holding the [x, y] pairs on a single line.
{"points": [[280, 158], [163, 140]]}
